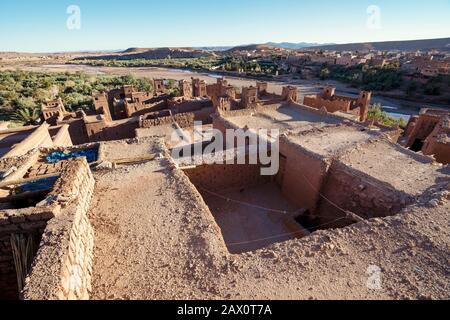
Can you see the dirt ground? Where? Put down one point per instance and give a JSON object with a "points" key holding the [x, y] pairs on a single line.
{"points": [[247, 228], [155, 238]]}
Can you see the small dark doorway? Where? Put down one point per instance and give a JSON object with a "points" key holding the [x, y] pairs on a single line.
{"points": [[417, 145]]}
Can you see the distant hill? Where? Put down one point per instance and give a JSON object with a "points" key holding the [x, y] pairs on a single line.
{"points": [[408, 45], [217, 48], [300, 45], [252, 47], [273, 46], [153, 54]]}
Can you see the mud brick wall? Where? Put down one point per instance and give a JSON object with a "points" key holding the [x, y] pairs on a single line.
{"points": [[63, 265], [28, 222], [303, 175], [183, 119], [223, 177], [359, 193], [62, 137]]}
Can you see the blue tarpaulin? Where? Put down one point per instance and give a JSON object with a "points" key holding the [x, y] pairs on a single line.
{"points": [[42, 184], [55, 157]]}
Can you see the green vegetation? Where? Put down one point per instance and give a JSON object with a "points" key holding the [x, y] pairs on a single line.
{"points": [[252, 67], [369, 78], [191, 63], [390, 78], [26, 115], [377, 114], [22, 93]]}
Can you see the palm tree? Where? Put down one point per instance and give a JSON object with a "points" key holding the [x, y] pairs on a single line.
{"points": [[28, 116]]}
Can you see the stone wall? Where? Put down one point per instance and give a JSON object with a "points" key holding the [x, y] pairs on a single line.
{"points": [[331, 105], [16, 167], [63, 265], [352, 190], [223, 177], [183, 119]]}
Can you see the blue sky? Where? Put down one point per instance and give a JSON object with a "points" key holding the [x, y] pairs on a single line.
{"points": [[40, 26]]}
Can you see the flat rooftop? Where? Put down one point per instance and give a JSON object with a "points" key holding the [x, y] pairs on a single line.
{"points": [[119, 150], [401, 168], [284, 117], [328, 141]]}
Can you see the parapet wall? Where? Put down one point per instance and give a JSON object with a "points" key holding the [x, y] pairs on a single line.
{"points": [[331, 105], [62, 138], [63, 265], [184, 120], [38, 138]]}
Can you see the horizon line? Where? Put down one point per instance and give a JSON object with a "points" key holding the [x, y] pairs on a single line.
{"points": [[316, 44]]}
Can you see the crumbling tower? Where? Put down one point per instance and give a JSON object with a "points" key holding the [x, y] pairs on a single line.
{"points": [[185, 89], [158, 86], [328, 93], [223, 104], [364, 103], [128, 91], [249, 97], [53, 111], [198, 88], [101, 105], [290, 93], [262, 88]]}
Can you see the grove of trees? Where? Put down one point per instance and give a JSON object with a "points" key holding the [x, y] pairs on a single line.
{"points": [[22, 93]]}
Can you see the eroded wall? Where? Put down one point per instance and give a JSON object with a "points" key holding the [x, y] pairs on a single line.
{"points": [[349, 190], [63, 265]]}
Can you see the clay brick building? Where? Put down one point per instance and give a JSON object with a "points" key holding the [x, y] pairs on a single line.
{"points": [[185, 89], [54, 111], [321, 172], [126, 102], [249, 98], [199, 88], [359, 107], [429, 132], [427, 66], [339, 189]]}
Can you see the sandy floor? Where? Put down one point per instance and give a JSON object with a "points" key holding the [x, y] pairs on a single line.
{"points": [[247, 228]]}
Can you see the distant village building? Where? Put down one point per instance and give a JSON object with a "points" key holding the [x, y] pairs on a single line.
{"points": [[427, 66]]}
